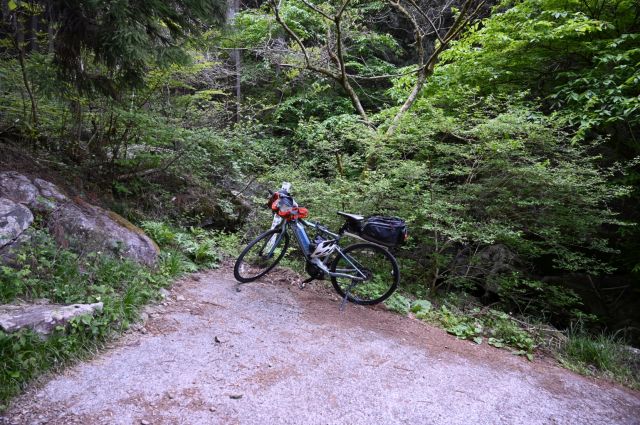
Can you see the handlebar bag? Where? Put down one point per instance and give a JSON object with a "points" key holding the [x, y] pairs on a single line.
{"points": [[280, 201], [388, 231]]}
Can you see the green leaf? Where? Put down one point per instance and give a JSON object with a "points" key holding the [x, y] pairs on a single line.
{"points": [[420, 306]]}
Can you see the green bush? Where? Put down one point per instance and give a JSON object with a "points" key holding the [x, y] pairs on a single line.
{"points": [[534, 298], [196, 245], [160, 232]]}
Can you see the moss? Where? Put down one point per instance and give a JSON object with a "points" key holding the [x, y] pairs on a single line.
{"points": [[130, 226]]}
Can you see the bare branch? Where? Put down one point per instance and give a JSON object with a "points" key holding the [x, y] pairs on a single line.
{"points": [[339, 46], [423, 13], [323, 71], [143, 173], [383, 76], [342, 8], [341, 78], [317, 10], [427, 67]]}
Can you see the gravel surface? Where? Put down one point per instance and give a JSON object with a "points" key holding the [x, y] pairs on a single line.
{"points": [[268, 353]]}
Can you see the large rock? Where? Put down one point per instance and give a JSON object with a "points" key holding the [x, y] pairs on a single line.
{"points": [[37, 194], [14, 220], [42, 318], [87, 228], [74, 223]]}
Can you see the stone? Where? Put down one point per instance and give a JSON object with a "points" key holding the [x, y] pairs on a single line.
{"points": [[42, 318], [164, 293], [88, 228], [485, 265], [74, 223], [18, 188], [37, 194], [212, 209], [49, 192], [14, 220]]}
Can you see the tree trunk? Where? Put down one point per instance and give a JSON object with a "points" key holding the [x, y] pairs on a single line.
{"points": [[233, 7], [20, 47], [33, 33], [355, 101], [238, 62], [4, 8], [50, 31], [422, 78]]}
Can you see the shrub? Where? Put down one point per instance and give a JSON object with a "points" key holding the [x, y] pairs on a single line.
{"points": [[196, 245]]}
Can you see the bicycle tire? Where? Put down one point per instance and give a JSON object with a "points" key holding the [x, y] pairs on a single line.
{"points": [[376, 288], [244, 274]]}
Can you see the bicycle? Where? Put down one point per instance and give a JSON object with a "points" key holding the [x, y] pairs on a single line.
{"points": [[363, 273]]}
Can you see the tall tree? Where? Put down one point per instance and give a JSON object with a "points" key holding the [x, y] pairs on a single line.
{"points": [[233, 9], [121, 38], [329, 60]]}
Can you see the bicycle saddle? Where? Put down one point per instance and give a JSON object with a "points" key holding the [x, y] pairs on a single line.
{"points": [[352, 217]]}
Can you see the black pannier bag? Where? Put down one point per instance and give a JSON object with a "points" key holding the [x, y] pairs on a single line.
{"points": [[388, 231]]}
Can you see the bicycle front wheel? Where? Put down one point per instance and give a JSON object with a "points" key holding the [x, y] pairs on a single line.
{"points": [[374, 264], [261, 255]]}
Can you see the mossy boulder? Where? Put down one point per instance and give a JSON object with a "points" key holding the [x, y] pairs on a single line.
{"points": [[76, 224]]}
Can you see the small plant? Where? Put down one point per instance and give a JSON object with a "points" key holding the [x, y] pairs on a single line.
{"points": [[421, 308], [503, 330], [398, 303], [197, 246], [600, 355], [160, 232], [498, 328], [460, 325], [173, 263], [227, 243]]}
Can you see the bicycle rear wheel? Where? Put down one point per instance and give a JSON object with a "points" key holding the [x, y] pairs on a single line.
{"points": [[259, 257], [380, 269]]}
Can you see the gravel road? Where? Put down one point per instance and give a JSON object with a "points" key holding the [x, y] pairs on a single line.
{"points": [[272, 354]]}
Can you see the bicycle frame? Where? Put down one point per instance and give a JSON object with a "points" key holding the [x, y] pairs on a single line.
{"points": [[298, 229]]}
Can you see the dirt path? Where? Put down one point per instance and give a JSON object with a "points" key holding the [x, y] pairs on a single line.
{"points": [[272, 354]]}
